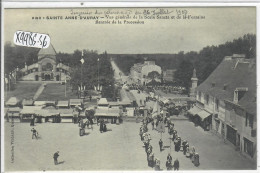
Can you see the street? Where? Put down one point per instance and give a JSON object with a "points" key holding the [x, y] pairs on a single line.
{"points": [[118, 149]]}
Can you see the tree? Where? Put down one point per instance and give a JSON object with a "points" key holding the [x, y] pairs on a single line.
{"points": [[183, 74], [152, 76]]}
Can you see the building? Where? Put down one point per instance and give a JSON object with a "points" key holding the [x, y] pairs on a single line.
{"points": [[229, 96], [168, 75], [139, 72], [46, 69]]}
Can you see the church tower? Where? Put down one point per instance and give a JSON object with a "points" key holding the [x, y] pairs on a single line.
{"points": [[194, 84]]}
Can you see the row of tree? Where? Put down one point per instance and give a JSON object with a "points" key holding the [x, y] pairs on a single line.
{"points": [[204, 61]]}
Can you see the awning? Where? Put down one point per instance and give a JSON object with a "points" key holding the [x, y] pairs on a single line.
{"points": [[107, 112], [63, 103], [13, 114], [66, 115], [27, 102], [75, 102], [194, 110], [14, 109], [12, 101], [203, 114], [103, 101], [30, 109], [113, 103], [46, 112], [39, 103]]}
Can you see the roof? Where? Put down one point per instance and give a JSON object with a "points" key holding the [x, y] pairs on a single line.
{"points": [[103, 101], [107, 112], [30, 109], [39, 103], [47, 51], [74, 102], [27, 102], [13, 109], [233, 73], [113, 103], [12, 101], [63, 103]]}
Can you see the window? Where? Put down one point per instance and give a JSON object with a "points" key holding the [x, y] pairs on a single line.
{"points": [[248, 147], [249, 120], [199, 95], [207, 99], [217, 105]]}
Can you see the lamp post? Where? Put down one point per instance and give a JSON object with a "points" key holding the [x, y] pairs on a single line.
{"points": [[82, 62], [98, 75], [60, 69]]}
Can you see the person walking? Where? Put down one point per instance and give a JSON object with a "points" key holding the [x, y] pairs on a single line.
{"points": [[169, 157], [176, 165], [55, 157], [34, 133], [161, 144]]}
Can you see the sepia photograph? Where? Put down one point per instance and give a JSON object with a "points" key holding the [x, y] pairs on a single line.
{"points": [[129, 89]]}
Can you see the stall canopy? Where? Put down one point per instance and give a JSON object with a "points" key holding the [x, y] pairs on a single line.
{"points": [[63, 103], [113, 104], [39, 103], [103, 102], [14, 109], [109, 112], [75, 102], [50, 103], [195, 110], [27, 102], [47, 112], [203, 114], [125, 103], [12, 101], [66, 112], [30, 109]]}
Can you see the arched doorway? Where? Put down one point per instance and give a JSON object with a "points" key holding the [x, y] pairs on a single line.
{"points": [[47, 77]]}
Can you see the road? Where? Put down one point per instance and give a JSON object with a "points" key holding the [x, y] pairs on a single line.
{"points": [[118, 74], [118, 149]]}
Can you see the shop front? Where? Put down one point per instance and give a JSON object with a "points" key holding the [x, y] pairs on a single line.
{"points": [[231, 134]]}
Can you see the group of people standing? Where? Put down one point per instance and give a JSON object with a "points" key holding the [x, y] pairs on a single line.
{"points": [[182, 144], [151, 159]]}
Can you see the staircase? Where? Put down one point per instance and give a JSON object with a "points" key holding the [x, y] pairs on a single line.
{"points": [[39, 91]]}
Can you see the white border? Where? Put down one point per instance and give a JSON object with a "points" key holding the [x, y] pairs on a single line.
{"points": [[134, 3]]}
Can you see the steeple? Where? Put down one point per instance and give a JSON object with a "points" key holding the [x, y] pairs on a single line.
{"points": [[194, 84]]}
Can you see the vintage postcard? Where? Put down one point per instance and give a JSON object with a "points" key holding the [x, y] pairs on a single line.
{"points": [[129, 89]]}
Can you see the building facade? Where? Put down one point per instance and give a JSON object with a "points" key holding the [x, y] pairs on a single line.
{"points": [[140, 72], [229, 96], [46, 69]]}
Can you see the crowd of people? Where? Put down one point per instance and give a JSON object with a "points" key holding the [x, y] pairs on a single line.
{"points": [[151, 159], [179, 143]]}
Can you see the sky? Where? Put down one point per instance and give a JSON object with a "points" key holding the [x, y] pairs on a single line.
{"points": [[154, 36]]}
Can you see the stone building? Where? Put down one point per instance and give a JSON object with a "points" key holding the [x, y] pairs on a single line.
{"points": [[139, 72], [47, 68], [228, 96]]}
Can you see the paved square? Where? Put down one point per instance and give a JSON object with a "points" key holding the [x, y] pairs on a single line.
{"points": [[118, 149]]}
